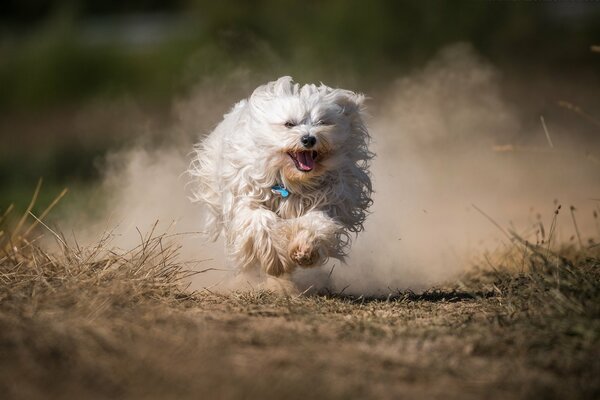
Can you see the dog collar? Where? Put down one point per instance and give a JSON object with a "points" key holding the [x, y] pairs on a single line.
{"points": [[280, 190]]}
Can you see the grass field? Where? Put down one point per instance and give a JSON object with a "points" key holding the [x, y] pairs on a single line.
{"points": [[83, 323]]}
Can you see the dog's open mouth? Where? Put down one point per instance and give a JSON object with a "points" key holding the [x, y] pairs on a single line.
{"points": [[304, 160]]}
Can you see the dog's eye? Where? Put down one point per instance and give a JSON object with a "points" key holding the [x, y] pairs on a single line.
{"points": [[289, 124], [322, 122]]}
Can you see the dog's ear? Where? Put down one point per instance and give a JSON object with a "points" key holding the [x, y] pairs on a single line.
{"points": [[283, 86], [350, 103]]}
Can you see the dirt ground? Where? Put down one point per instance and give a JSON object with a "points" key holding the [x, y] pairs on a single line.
{"points": [[81, 325]]}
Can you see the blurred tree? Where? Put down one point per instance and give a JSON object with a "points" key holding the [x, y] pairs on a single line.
{"points": [[53, 52]]}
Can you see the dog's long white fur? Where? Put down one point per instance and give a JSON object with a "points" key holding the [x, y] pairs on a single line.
{"points": [[236, 166]]}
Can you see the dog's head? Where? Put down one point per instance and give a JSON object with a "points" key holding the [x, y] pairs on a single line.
{"points": [[301, 133]]}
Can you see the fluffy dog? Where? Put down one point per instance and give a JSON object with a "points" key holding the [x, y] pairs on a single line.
{"points": [[285, 176]]}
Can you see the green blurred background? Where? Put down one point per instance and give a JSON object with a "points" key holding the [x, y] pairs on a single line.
{"points": [[78, 78]]}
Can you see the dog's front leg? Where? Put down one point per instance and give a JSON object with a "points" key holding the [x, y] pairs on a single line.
{"points": [[310, 239], [250, 240]]}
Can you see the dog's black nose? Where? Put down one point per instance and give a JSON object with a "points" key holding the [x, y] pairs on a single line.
{"points": [[308, 141]]}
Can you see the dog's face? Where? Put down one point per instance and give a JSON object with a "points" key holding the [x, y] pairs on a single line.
{"points": [[302, 132]]}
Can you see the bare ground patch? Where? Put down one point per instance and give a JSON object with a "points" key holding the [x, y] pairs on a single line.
{"points": [[81, 325]]}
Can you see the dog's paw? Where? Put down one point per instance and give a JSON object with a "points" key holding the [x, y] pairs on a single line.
{"points": [[304, 254], [280, 285]]}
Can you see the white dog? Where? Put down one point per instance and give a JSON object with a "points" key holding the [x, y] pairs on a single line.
{"points": [[285, 176]]}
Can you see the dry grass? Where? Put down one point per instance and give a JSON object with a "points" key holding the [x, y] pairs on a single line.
{"points": [[87, 323]]}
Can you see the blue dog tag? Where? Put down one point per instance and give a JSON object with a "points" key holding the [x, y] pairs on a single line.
{"points": [[280, 190]]}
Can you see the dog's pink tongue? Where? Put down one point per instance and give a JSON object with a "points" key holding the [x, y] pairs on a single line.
{"points": [[305, 160]]}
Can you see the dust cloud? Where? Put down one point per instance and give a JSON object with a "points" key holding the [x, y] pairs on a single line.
{"points": [[447, 141]]}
